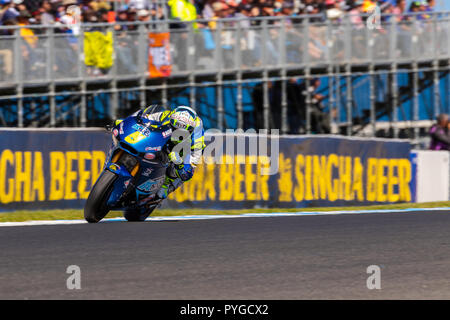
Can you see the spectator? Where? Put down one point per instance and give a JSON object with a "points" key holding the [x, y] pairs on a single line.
{"points": [[287, 9], [184, 10], [319, 119], [399, 9], [440, 136], [333, 10], [417, 7], [138, 4], [430, 4], [356, 10], [8, 11], [255, 12], [71, 17], [122, 17], [143, 15], [32, 5], [207, 10], [103, 16], [157, 12], [132, 16], [6, 53], [26, 33], [394, 9], [243, 11]]}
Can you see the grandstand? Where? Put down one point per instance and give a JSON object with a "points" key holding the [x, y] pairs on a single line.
{"points": [[302, 74]]}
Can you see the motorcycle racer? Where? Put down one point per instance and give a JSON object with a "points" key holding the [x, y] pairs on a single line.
{"points": [[186, 124]]}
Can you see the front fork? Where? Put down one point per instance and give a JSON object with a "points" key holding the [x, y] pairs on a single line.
{"points": [[126, 169]]}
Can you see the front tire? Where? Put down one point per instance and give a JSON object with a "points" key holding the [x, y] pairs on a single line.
{"points": [[96, 205]]}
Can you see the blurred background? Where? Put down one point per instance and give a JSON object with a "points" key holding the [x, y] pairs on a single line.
{"points": [[350, 67]]}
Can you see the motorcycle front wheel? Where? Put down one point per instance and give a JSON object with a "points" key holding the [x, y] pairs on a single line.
{"points": [[96, 205]]}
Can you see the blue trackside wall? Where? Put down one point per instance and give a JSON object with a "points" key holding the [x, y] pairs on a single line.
{"points": [[52, 169]]}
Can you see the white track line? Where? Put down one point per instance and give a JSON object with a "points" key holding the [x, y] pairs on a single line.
{"points": [[207, 217]]}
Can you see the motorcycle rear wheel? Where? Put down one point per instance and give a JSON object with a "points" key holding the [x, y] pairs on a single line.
{"points": [[96, 207], [134, 215]]}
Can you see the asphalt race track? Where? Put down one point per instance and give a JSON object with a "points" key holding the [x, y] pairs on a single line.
{"points": [[312, 257]]}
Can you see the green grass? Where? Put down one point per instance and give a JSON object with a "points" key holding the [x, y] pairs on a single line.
{"points": [[18, 216]]}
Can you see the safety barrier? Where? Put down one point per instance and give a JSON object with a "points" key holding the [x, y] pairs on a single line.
{"points": [[43, 169], [432, 174]]}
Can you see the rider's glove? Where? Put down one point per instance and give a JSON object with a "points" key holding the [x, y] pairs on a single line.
{"points": [[175, 158]]}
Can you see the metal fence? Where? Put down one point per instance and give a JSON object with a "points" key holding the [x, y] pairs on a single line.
{"points": [[266, 49]]}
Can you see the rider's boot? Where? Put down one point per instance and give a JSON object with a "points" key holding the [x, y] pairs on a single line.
{"points": [[163, 192], [169, 186]]}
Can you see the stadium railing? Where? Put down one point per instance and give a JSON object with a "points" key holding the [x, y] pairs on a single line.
{"points": [[220, 47], [55, 53]]}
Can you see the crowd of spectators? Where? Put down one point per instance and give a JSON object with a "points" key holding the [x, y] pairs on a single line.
{"points": [[68, 12], [66, 15]]}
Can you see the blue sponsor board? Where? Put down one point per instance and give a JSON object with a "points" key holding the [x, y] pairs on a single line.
{"points": [[52, 169], [311, 171], [49, 169]]}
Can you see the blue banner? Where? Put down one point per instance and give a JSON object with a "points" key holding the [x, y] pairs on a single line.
{"points": [[49, 169], [312, 171], [55, 169]]}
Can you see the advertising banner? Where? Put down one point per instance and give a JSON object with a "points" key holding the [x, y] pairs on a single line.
{"points": [[49, 169], [307, 171], [159, 61], [45, 169]]}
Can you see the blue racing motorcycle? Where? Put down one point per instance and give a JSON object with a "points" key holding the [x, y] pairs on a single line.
{"points": [[134, 171]]}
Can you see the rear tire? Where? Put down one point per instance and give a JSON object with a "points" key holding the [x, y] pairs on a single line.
{"points": [[136, 215], [96, 208]]}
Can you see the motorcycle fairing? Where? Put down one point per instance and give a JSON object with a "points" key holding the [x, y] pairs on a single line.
{"points": [[146, 137]]}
